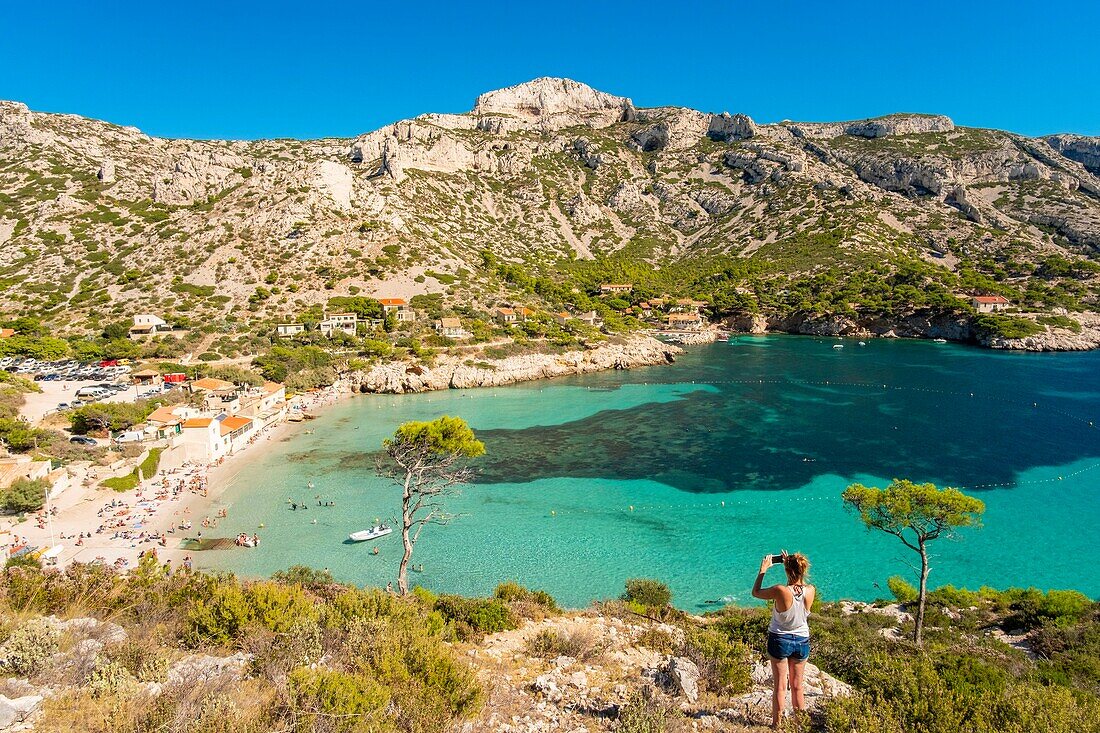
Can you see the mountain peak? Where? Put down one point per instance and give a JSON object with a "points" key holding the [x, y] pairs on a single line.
{"points": [[547, 97]]}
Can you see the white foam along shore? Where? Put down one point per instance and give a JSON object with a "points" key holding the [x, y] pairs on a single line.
{"points": [[95, 524]]}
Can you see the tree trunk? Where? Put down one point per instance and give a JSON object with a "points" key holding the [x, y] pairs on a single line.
{"points": [[406, 539], [923, 593]]}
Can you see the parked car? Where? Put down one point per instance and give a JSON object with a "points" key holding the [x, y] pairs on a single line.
{"points": [[83, 440], [63, 405]]}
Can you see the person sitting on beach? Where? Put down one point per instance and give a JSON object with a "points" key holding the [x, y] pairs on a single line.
{"points": [[789, 630]]}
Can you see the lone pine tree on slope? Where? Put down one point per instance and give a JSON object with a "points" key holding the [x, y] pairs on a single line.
{"points": [[429, 461], [916, 514]]}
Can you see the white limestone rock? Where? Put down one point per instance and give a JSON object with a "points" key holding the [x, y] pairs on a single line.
{"points": [[552, 104], [725, 127]]}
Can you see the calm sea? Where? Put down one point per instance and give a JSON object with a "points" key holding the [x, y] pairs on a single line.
{"points": [[691, 473]]}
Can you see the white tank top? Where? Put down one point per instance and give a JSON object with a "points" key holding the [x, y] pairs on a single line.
{"points": [[794, 619]]}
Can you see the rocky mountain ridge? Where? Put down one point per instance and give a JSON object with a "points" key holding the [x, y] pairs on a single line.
{"points": [[98, 221]]}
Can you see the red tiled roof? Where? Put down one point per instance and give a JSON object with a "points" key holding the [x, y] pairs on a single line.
{"points": [[234, 422], [990, 299], [392, 301]]}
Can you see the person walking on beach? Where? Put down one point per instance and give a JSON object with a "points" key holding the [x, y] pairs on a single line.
{"points": [[789, 630]]}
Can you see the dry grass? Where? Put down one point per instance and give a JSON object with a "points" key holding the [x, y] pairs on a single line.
{"points": [[581, 644]]}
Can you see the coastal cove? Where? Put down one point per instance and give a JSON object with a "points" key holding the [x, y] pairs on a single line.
{"points": [[690, 472]]}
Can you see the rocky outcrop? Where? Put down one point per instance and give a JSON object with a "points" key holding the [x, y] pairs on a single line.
{"points": [[1084, 150], [957, 197], [552, 104], [724, 128], [453, 373], [888, 126], [13, 712], [759, 162]]}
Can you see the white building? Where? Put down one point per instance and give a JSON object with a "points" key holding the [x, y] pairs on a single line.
{"points": [[339, 322], [289, 329], [989, 303], [146, 324], [399, 308]]}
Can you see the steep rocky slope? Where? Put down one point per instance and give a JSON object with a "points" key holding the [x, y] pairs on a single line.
{"points": [[98, 221]]}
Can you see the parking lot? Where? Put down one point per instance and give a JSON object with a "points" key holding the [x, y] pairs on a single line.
{"points": [[61, 382]]}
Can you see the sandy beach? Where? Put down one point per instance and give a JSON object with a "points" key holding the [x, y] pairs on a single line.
{"points": [[182, 501]]}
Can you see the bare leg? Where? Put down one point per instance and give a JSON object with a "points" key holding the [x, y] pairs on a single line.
{"points": [[779, 690], [797, 668]]}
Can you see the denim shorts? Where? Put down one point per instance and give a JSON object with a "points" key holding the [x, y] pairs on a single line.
{"points": [[784, 646]]}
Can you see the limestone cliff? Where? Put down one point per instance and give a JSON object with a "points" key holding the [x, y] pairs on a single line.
{"points": [[100, 221], [455, 373]]}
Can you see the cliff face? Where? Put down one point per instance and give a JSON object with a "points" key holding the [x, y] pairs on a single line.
{"points": [[101, 220], [454, 373]]}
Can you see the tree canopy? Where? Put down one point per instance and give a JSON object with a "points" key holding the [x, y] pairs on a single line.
{"points": [[913, 512], [916, 514], [443, 436]]}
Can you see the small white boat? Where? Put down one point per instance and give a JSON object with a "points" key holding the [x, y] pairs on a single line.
{"points": [[838, 346], [862, 343], [370, 534], [941, 341]]}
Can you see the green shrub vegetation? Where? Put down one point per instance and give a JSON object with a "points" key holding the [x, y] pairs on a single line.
{"points": [[647, 592], [24, 495], [145, 470]]}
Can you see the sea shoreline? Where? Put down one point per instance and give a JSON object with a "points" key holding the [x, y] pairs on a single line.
{"points": [[174, 495]]}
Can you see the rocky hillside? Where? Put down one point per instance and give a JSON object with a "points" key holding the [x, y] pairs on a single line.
{"points": [[98, 221]]}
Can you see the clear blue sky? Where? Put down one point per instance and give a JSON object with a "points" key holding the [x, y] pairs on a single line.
{"points": [[230, 69]]}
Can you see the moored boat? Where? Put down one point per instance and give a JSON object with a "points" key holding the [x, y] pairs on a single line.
{"points": [[370, 534]]}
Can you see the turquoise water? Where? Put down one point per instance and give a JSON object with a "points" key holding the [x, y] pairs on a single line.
{"points": [[692, 472]]}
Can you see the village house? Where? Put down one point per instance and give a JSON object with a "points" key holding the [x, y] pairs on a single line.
{"points": [[562, 318], [146, 325], [989, 303], [265, 404], [450, 327], [690, 321], [606, 288], [6, 333], [209, 439], [209, 384], [591, 318], [399, 308], [283, 330], [166, 422], [338, 322], [506, 316]]}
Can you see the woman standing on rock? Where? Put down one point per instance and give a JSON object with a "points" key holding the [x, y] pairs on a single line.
{"points": [[789, 630]]}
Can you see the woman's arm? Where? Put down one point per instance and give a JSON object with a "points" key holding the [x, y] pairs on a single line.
{"points": [[766, 594]]}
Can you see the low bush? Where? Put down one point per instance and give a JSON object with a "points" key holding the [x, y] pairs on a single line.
{"points": [[24, 495], [29, 647], [526, 603], [580, 644], [338, 702], [902, 590], [643, 712], [647, 592], [724, 665], [472, 618], [146, 470]]}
